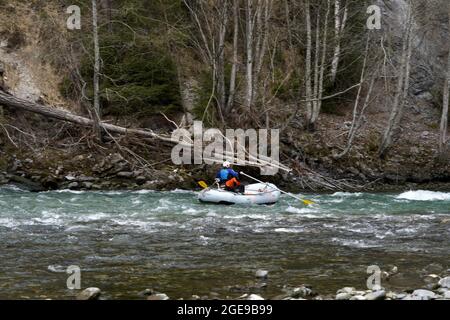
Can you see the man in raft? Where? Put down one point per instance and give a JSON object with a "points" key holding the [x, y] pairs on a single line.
{"points": [[229, 178]]}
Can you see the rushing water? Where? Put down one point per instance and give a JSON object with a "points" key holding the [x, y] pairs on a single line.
{"points": [[125, 242]]}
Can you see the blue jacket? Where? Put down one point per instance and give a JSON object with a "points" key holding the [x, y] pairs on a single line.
{"points": [[226, 174]]}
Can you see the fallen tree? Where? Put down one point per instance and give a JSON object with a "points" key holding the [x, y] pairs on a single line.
{"points": [[16, 103], [55, 113]]}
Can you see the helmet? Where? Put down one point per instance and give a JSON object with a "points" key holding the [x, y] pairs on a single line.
{"points": [[226, 164]]}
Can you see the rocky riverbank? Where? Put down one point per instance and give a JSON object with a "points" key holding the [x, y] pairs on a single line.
{"points": [[82, 172], [435, 288], [115, 172]]}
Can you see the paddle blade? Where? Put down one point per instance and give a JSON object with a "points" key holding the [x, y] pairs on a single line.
{"points": [[308, 202], [203, 184]]}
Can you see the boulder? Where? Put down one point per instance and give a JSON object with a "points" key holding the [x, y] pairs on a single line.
{"points": [[445, 282], [73, 185], [125, 174], [301, 292], [424, 294], [349, 290], [158, 296], [343, 296], [254, 297], [447, 295], [89, 294], [262, 274], [376, 295], [358, 298]]}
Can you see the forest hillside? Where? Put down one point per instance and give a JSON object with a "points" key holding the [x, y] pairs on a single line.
{"points": [[360, 103]]}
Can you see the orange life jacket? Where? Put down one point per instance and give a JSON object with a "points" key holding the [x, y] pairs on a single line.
{"points": [[232, 183]]}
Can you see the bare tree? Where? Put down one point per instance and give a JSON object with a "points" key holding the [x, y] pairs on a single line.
{"points": [[257, 16], [316, 89], [211, 20], [358, 113], [402, 86]]}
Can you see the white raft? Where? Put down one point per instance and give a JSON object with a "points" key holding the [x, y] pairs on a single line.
{"points": [[258, 193]]}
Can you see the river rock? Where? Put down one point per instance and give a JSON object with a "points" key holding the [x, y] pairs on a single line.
{"points": [[432, 286], [301, 292], [376, 287], [445, 282], [343, 296], [262, 274], [411, 297], [401, 296], [432, 278], [73, 185], [125, 174], [141, 180], [376, 295], [349, 290], [394, 270], [69, 177], [87, 185], [391, 295], [358, 297], [89, 294], [254, 297], [158, 296], [85, 179], [27, 183], [146, 292], [447, 295], [424, 294]]}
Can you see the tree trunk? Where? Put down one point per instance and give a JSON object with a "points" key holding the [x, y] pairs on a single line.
{"points": [[221, 55], [339, 26], [249, 44], [16, 103], [96, 111], [308, 63], [262, 42], [318, 105], [235, 55]]}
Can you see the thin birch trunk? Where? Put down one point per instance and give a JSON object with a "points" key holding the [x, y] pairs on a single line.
{"points": [[319, 96], [221, 56], [249, 45], [308, 63], [339, 26], [96, 111], [232, 91]]}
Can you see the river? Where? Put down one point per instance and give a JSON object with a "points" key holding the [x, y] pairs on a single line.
{"points": [[125, 242]]}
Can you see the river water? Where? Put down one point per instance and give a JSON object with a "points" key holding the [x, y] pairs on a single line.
{"points": [[125, 242]]}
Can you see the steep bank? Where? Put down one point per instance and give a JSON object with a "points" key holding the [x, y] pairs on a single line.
{"points": [[46, 154]]}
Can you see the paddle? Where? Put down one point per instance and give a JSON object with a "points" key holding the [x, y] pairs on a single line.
{"points": [[203, 184], [306, 202]]}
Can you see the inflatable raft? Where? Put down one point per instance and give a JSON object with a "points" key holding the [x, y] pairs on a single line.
{"points": [[258, 193]]}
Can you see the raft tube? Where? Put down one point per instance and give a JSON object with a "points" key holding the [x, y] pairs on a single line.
{"points": [[258, 193]]}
